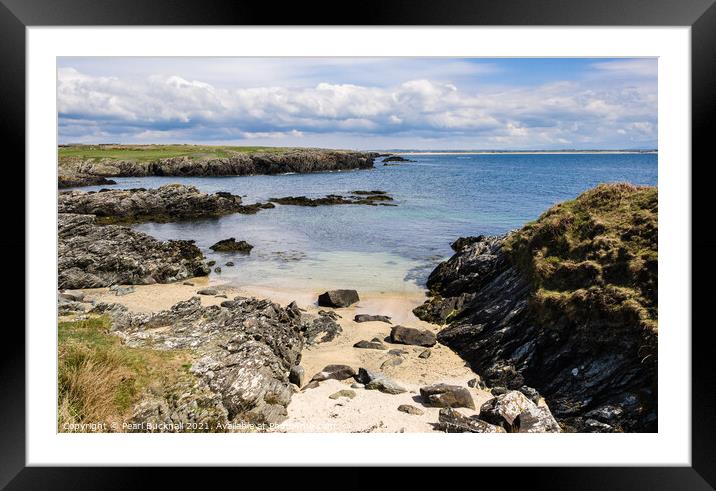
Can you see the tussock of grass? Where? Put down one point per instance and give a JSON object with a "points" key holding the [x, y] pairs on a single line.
{"points": [[99, 379], [594, 259]]}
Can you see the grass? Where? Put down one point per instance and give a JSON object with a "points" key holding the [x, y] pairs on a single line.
{"points": [[99, 379], [145, 153], [594, 259]]}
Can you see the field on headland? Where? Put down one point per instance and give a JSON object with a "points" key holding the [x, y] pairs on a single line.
{"points": [[144, 153]]}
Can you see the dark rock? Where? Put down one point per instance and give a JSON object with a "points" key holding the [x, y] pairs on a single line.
{"points": [[444, 395], [498, 391], [425, 354], [167, 203], [210, 263], [230, 245], [321, 330], [477, 383], [217, 269], [119, 290], [397, 352], [464, 242], [334, 199], [93, 256], [410, 335], [378, 381], [452, 421], [338, 298], [396, 158], [530, 393], [369, 345], [330, 313], [312, 385], [76, 181], [410, 409], [486, 299], [391, 362], [188, 283], [229, 264], [372, 318], [208, 291], [337, 372]]}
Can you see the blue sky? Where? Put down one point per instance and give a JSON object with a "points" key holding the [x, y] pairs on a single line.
{"points": [[362, 103]]}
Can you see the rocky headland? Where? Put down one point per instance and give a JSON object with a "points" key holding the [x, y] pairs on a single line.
{"points": [[238, 164], [170, 202], [567, 305]]}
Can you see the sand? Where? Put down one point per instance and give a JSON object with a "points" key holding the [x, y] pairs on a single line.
{"points": [[311, 410]]}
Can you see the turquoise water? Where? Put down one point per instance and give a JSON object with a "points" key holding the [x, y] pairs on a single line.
{"points": [[387, 249]]}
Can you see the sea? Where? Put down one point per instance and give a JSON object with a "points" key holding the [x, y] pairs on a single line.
{"points": [[386, 249]]}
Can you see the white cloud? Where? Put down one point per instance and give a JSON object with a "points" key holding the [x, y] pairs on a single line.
{"points": [[170, 107]]}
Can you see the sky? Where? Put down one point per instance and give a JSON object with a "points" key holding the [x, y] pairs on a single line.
{"points": [[361, 103]]}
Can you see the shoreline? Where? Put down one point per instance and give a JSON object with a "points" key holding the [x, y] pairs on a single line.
{"points": [[556, 152], [312, 410]]}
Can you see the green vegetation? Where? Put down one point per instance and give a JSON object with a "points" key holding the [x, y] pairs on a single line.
{"points": [[99, 379], [594, 259], [144, 153]]}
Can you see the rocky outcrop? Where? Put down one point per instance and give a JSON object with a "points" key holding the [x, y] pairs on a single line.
{"points": [[231, 245], [396, 158], [359, 198], [166, 203], [566, 305], [338, 298], [241, 164], [243, 352], [75, 181], [517, 414], [92, 256]]}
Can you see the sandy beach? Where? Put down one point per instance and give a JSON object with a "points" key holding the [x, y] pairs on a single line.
{"points": [[312, 410]]}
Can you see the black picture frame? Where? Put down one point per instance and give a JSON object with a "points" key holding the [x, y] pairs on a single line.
{"points": [[16, 15]]}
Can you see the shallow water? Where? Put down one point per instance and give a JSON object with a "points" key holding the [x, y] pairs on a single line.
{"points": [[387, 249]]}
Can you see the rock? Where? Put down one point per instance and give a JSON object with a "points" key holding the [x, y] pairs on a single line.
{"points": [[369, 345], [582, 347], [229, 264], [71, 296], [121, 290], [372, 318], [311, 385], [94, 256], [397, 352], [425, 354], [338, 298], [330, 313], [451, 421], [343, 393], [217, 269], [378, 381], [477, 383], [321, 330], [363, 198], [167, 203], [410, 335], [242, 354], [530, 393], [221, 295], [297, 375], [188, 283], [396, 158], [76, 181], [464, 242], [443, 395], [407, 408], [210, 263], [498, 391], [391, 362], [356, 385], [207, 291], [230, 245], [516, 413], [337, 372]]}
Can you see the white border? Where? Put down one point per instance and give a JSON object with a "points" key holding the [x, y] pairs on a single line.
{"points": [[671, 446]]}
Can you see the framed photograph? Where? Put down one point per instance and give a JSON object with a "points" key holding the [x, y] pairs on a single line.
{"points": [[254, 238]]}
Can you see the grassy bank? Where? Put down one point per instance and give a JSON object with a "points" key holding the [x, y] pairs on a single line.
{"points": [[99, 379], [595, 257]]}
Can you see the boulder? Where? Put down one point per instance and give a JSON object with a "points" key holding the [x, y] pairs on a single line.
{"points": [[369, 345], [297, 375], [378, 381], [337, 372], [451, 421], [410, 335], [372, 318], [516, 413], [391, 362], [410, 409], [444, 395], [231, 245], [338, 298]]}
